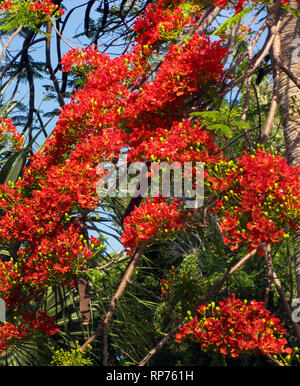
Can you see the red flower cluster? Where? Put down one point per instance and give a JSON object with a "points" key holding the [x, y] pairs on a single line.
{"points": [[88, 57], [154, 221], [124, 105], [5, 5], [241, 3], [184, 141], [160, 22], [9, 136], [260, 198], [235, 327], [117, 108], [10, 333], [46, 7], [227, 3]]}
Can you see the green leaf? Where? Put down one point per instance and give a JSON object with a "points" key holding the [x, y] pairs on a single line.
{"points": [[226, 130], [206, 114], [241, 124]]}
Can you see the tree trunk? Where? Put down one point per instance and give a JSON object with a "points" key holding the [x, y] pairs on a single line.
{"points": [[289, 101]]}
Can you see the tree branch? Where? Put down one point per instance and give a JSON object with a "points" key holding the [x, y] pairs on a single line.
{"points": [[102, 327], [255, 62], [11, 39], [217, 286], [49, 66], [83, 283], [274, 53]]}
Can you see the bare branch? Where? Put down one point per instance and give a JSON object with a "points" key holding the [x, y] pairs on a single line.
{"points": [[60, 35], [275, 53], [256, 60], [248, 51], [158, 347], [130, 357], [12, 36], [102, 327], [49, 66], [113, 261]]}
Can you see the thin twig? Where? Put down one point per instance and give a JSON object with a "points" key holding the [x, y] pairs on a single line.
{"points": [[112, 261], [207, 19], [283, 298], [130, 357], [256, 60], [11, 38], [218, 285], [158, 346], [248, 51], [49, 66], [233, 36], [60, 35]]}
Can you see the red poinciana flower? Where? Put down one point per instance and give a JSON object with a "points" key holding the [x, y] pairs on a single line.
{"points": [[9, 135], [235, 327], [31, 324], [46, 7], [5, 5], [260, 198], [152, 222]]}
